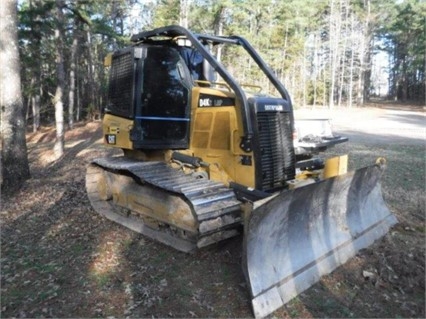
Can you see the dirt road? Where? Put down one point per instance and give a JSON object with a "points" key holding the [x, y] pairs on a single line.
{"points": [[374, 125]]}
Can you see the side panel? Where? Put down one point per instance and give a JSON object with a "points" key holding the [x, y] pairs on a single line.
{"points": [[216, 135], [116, 131], [163, 105]]}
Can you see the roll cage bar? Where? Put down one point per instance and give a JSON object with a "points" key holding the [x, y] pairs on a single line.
{"points": [[197, 41]]}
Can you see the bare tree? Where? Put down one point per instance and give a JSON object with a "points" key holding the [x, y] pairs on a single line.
{"points": [[60, 74], [14, 160], [72, 76], [343, 56], [334, 48], [218, 27], [36, 90], [184, 10], [364, 56]]}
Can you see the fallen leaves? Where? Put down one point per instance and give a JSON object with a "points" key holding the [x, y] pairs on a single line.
{"points": [[52, 241]]}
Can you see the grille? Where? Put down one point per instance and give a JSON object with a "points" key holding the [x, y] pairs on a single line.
{"points": [[277, 160], [120, 94]]}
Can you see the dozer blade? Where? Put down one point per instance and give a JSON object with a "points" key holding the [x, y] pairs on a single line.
{"points": [[305, 233]]}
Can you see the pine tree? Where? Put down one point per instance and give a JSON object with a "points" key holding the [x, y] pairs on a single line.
{"points": [[14, 160]]}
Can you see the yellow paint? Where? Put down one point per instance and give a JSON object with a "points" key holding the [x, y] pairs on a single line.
{"points": [[217, 173], [381, 161], [108, 60], [113, 130], [118, 127], [336, 166], [148, 202], [215, 137]]}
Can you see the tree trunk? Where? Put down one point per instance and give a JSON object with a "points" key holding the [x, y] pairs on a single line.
{"points": [[184, 9], [36, 72], [78, 94], [316, 67], [364, 57], [351, 66], [92, 85], [15, 169], [35, 104], [360, 96], [71, 94], [303, 75], [218, 28], [334, 36], [404, 80], [343, 55], [60, 74]]}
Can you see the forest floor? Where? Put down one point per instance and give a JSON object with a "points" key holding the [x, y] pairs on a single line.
{"points": [[61, 259]]}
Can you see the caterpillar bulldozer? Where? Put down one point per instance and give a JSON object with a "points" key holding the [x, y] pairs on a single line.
{"points": [[204, 160]]}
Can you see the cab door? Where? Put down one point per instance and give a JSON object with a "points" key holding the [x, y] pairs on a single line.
{"points": [[163, 107]]}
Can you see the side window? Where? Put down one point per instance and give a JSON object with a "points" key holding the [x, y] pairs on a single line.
{"points": [[194, 60], [165, 95]]}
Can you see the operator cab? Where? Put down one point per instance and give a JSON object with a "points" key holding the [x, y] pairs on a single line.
{"points": [[151, 84], [157, 86]]}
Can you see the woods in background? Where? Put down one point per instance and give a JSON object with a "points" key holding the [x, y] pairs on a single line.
{"points": [[321, 50]]}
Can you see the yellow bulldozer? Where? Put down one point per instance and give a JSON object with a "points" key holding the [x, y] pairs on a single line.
{"points": [[204, 160]]}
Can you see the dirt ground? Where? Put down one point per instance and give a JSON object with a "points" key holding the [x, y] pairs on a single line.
{"points": [[60, 259]]}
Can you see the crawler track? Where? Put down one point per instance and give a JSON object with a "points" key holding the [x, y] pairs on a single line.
{"points": [[163, 203]]}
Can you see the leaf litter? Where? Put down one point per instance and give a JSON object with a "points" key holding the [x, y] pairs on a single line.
{"points": [[60, 259]]}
